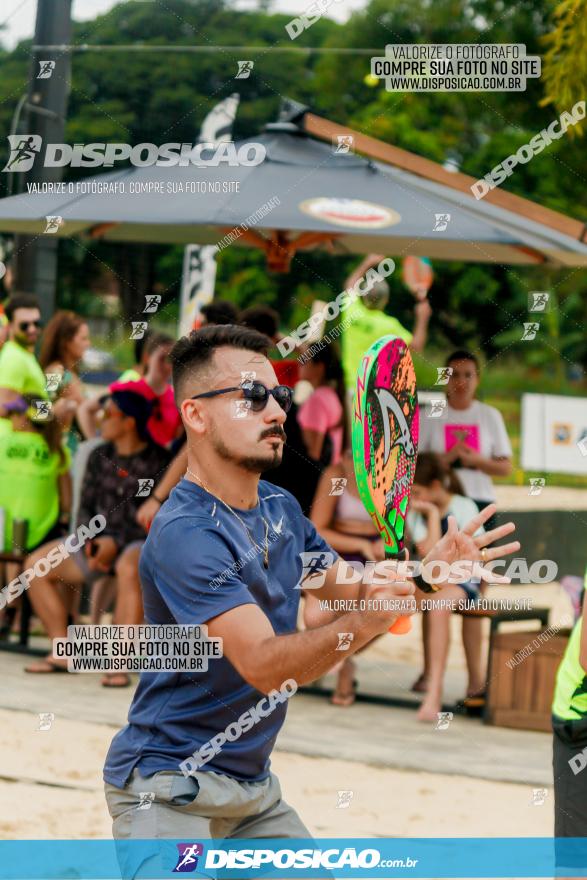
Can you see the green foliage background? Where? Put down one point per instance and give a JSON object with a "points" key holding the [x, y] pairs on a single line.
{"points": [[138, 97]]}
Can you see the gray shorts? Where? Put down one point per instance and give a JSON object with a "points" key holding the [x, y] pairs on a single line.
{"points": [[204, 806], [90, 576]]}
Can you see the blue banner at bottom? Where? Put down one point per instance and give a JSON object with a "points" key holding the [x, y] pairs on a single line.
{"points": [[275, 858]]}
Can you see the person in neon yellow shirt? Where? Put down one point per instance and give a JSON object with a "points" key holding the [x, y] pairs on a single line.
{"points": [[569, 723], [366, 322], [34, 474], [20, 371]]}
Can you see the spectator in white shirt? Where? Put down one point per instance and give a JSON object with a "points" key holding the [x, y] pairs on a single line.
{"points": [[470, 436]]}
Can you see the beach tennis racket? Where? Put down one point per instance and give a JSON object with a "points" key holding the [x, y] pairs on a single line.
{"points": [[385, 442]]}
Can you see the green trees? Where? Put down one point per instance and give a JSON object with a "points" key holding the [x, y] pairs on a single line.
{"points": [[139, 96]]}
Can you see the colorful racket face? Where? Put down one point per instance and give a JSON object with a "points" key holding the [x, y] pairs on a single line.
{"points": [[385, 437]]}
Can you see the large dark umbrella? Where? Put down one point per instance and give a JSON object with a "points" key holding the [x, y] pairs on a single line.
{"points": [[312, 197]]}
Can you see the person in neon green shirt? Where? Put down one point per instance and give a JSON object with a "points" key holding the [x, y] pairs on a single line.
{"points": [[569, 723], [20, 371], [366, 322], [34, 474]]}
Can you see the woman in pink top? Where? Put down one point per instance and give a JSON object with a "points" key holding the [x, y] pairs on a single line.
{"points": [[321, 417]]}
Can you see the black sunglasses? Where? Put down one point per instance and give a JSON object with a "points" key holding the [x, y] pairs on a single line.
{"points": [[258, 394], [24, 325]]}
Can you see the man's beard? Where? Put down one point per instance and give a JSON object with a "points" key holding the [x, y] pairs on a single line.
{"points": [[23, 340], [255, 464]]}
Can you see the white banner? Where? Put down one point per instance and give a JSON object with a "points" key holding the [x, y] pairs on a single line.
{"points": [[554, 434], [199, 265], [197, 288]]}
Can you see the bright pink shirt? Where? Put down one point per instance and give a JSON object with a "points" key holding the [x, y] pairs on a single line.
{"points": [[165, 418], [322, 412]]}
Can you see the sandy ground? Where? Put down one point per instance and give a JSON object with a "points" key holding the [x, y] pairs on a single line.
{"points": [[50, 781], [50, 788]]}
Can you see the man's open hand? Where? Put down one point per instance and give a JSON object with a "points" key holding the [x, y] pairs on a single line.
{"points": [[460, 545]]}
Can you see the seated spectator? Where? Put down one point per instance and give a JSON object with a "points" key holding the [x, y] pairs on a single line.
{"points": [[469, 435], [113, 476], [66, 338], [341, 519], [321, 417], [20, 372], [219, 311], [35, 485], [436, 495], [164, 422]]}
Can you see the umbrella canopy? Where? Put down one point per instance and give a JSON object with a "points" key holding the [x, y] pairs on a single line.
{"points": [[312, 197]]}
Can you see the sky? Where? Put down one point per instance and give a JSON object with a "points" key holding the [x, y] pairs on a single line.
{"points": [[19, 15]]}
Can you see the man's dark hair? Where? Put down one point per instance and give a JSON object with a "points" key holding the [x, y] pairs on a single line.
{"points": [[20, 301], [195, 351], [462, 355], [221, 311], [264, 319]]}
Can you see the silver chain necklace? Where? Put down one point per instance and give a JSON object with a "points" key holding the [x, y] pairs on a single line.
{"points": [[258, 548]]}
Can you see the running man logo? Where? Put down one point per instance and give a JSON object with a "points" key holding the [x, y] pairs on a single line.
{"points": [[441, 222], [344, 641], [338, 485], [139, 328], [152, 303], [537, 484], [344, 799], [539, 796], [244, 69], [314, 570], [24, 149], [52, 381], [53, 225], [46, 720], [187, 860], [146, 798], [46, 68], [240, 409], [344, 143], [444, 719], [538, 301], [444, 374], [436, 408], [43, 409], [530, 331]]}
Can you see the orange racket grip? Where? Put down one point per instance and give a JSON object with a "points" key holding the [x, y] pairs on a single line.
{"points": [[402, 626]]}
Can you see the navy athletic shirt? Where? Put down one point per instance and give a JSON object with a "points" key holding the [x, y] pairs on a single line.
{"points": [[198, 562]]}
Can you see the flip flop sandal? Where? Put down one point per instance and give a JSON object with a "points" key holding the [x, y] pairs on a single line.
{"points": [[107, 682], [45, 667], [344, 699]]}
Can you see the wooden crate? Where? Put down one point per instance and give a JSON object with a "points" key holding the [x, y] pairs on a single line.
{"points": [[521, 695]]}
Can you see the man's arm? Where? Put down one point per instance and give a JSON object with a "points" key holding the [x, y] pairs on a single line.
{"points": [[266, 660], [368, 263], [422, 312]]}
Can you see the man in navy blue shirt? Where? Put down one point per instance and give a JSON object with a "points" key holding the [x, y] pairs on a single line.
{"points": [[225, 551]]}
